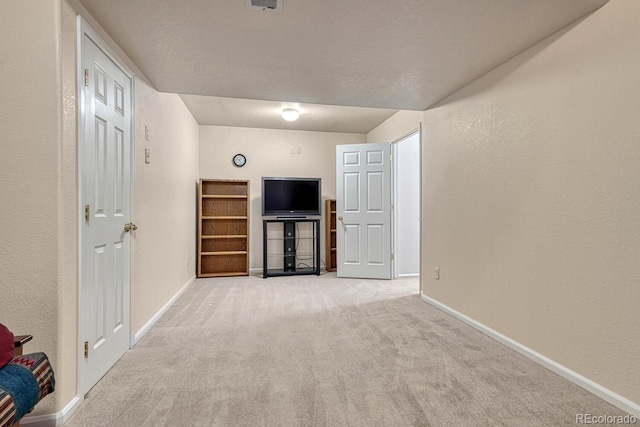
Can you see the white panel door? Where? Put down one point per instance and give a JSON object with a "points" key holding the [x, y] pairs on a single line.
{"points": [[363, 202], [105, 150]]}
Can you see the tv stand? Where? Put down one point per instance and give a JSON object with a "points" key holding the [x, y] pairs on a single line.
{"points": [[290, 246]]}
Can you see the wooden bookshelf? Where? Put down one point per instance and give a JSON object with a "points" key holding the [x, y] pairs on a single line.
{"points": [[223, 228], [330, 232]]}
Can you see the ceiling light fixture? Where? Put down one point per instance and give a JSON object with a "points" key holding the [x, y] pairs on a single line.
{"points": [[290, 114]]}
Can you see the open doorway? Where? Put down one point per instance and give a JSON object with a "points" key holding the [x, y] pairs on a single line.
{"points": [[406, 206], [378, 209]]}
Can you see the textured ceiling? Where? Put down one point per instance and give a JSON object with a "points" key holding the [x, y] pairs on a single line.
{"points": [[209, 110], [401, 54]]}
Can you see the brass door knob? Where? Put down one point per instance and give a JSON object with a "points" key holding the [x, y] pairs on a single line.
{"points": [[130, 226], [340, 218]]}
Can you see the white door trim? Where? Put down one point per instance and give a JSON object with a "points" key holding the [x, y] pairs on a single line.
{"points": [[394, 203], [84, 29]]}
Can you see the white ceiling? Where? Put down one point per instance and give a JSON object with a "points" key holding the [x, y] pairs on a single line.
{"points": [[400, 54]]}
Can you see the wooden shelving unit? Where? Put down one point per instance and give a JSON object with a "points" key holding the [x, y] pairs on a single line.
{"points": [[223, 228], [330, 231]]}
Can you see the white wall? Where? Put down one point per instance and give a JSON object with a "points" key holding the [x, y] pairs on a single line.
{"points": [[531, 199], [268, 153]]}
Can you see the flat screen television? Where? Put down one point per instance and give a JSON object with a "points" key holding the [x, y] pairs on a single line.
{"points": [[291, 197]]}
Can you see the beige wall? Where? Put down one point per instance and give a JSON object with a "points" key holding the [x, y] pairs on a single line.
{"points": [[30, 173], [268, 154], [530, 192], [164, 201], [67, 336], [401, 124], [39, 191], [531, 202]]}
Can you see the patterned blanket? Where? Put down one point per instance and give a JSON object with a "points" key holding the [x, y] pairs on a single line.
{"points": [[23, 383]]}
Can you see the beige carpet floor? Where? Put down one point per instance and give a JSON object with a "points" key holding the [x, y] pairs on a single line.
{"points": [[322, 351]]}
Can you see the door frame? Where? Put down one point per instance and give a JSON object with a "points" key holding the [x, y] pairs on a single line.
{"points": [[84, 29], [394, 197]]}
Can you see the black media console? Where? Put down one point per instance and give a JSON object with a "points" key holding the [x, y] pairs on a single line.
{"points": [[299, 240]]}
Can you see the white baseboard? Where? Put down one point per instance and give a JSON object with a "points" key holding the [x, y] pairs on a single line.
{"points": [[160, 312], [604, 393], [52, 420]]}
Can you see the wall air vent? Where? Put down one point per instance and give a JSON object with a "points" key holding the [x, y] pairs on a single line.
{"points": [[268, 5]]}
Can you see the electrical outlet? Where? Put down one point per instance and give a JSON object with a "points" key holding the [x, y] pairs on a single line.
{"points": [[436, 273]]}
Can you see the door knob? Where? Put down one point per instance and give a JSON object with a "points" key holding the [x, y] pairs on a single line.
{"points": [[130, 226], [340, 218]]}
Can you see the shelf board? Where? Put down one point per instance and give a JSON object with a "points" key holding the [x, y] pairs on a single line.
{"points": [[290, 238], [224, 217], [223, 196], [224, 253], [302, 256], [224, 274], [299, 270], [226, 236]]}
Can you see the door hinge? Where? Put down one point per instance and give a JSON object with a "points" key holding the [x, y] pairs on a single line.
{"points": [[391, 206], [392, 257], [86, 213], [86, 77], [86, 349]]}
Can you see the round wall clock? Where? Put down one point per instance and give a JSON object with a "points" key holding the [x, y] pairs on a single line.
{"points": [[239, 160]]}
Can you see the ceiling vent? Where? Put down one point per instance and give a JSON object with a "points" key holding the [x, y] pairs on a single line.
{"points": [[268, 5]]}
